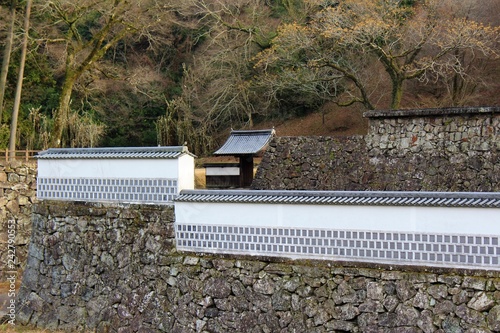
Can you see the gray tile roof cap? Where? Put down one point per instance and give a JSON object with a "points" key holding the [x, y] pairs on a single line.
{"points": [[394, 198], [161, 152], [245, 142], [433, 112]]}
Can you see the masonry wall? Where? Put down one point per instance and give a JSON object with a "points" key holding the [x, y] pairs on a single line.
{"points": [[114, 268], [17, 194], [454, 149]]}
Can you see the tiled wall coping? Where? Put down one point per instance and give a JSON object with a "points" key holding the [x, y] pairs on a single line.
{"points": [[430, 112]]}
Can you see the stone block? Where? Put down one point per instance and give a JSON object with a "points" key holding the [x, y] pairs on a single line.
{"points": [[481, 302], [13, 178], [13, 207], [493, 319]]}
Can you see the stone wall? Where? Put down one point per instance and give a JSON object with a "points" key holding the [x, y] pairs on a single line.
{"points": [[96, 265], [17, 194], [448, 131], [314, 163], [114, 268], [413, 150]]}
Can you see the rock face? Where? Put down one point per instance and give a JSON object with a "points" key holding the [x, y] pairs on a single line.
{"points": [[17, 194], [114, 268], [405, 150]]}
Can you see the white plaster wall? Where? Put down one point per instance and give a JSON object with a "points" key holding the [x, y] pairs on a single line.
{"points": [[108, 168], [222, 171], [449, 220], [185, 173]]}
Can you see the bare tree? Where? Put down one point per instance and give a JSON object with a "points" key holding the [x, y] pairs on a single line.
{"points": [[217, 83], [410, 42], [480, 73]]}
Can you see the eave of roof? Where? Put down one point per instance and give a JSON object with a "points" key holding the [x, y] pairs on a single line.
{"points": [[367, 198], [245, 142], [171, 152]]}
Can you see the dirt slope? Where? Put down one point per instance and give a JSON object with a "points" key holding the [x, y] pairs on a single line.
{"points": [[337, 122]]}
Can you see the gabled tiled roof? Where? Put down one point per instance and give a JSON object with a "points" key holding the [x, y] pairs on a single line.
{"points": [[245, 142], [115, 153], [438, 199]]}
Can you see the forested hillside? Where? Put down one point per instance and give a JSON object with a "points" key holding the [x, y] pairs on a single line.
{"points": [[149, 72]]}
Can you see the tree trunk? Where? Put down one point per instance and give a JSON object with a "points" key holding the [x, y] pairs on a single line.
{"points": [[74, 71], [62, 113], [6, 55], [17, 99], [250, 119], [397, 93]]}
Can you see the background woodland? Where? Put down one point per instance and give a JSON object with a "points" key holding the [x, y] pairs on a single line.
{"points": [[149, 72]]}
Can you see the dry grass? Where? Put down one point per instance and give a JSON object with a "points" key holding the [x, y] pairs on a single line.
{"points": [[337, 122], [5, 286], [199, 178]]}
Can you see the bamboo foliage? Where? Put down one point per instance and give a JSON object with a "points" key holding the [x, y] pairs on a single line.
{"points": [[39, 131], [179, 127], [84, 131]]}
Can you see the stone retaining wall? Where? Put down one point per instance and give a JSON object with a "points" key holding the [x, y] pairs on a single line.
{"points": [[448, 131], [17, 194], [406, 150], [114, 268], [315, 163]]}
